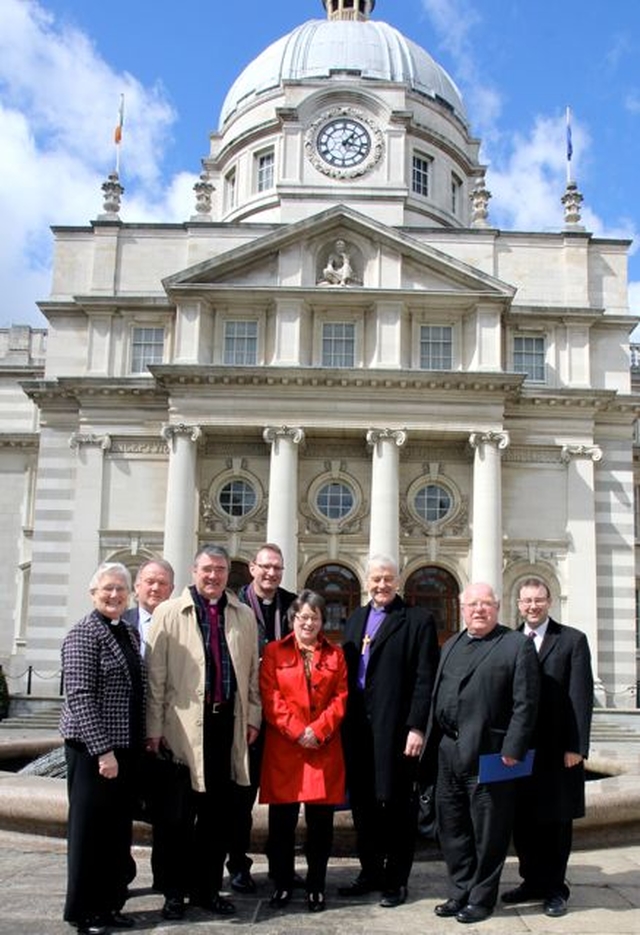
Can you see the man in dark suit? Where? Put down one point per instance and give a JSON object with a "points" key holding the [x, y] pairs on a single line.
{"points": [[153, 584], [269, 603], [485, 702], [554, 795], [392, 655]]}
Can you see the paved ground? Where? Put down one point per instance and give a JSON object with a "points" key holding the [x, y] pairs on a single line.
{"points": [[605, 899]]}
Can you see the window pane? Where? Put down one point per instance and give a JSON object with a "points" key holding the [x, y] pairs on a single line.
{"points": [[420, 175], [338, 344], [147, 347], [335, 500], [237, 498], [436, 347], [528, 357], [240, 343], [432, 503], [266, 162], [230, 190], [456, 191]]}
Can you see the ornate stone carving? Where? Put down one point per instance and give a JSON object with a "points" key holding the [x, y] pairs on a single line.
{"points": [[572, 199], [170, 432], [588, 452], [138, 446], [339, 267], [215, 519], [480, 204], [78, 439], [397, 436], [113, 192], [344, 172], [204, 189], [273, 433], [501, 440]]}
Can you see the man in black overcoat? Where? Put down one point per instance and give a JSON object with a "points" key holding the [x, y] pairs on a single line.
{"points": [[554, 795], [485, 702], [392, 656]]}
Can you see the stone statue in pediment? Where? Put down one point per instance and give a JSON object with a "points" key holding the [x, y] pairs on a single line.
{"points": [[339, 268]]}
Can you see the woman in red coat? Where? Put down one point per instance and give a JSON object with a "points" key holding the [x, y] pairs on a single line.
{"points": [[303, 682]]}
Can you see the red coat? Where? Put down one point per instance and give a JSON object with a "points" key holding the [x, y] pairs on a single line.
{"points": [[290, 772]]}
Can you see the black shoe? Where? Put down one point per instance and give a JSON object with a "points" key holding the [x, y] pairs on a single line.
{"points": [[218, 905], [521, 894], [173, 909], [92, 926], [116, 920], [555, 906], [474, 913], [359, 887], [243, 882], [280, 898], [315, 902], [392, 898], [450, 908]]}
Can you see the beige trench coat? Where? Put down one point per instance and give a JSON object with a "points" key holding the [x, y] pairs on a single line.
{"points": [[175, 663]]}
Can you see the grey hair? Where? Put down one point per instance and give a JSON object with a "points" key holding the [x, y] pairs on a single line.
{"points": [[209, 549], [161, 563], [110, 568], [384, 561]]}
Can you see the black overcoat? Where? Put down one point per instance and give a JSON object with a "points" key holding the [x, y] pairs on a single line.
{"points": [[402, 664], [564, 724]]}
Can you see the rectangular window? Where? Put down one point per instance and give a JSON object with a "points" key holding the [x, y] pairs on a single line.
{"points": [[436, 347], [147, 347], [420, 175], [456, 194], [265, 165], [338, 344], [529, 357], [240, 343], [230, 190]]}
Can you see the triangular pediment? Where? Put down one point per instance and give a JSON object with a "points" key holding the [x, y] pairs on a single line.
{"points": [[364, 253]]}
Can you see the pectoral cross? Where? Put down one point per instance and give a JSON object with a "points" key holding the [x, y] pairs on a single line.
{"points": [[365, 644]]}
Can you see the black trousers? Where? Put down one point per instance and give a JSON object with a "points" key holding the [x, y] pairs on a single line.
{"points": [[98, 833], [197, 823], [283, 820], [474, 828], [543, 849], [242, 802], [385, 831]]}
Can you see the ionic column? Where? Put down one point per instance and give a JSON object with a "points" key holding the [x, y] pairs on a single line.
{"points": [[486, 549], [180, 518], [282, 515], [384, 536], [581, 588], [84, 552]]}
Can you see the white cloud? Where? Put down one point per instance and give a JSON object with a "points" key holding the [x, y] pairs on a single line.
{"points": [[58, 109]]}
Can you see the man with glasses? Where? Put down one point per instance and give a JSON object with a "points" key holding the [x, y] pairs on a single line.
{"points": [[204, 707], [554, 795], [270, 603], [392, 655], [485, 701]]}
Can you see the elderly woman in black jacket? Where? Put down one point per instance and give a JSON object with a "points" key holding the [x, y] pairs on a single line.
{"points": [[102, 723]]}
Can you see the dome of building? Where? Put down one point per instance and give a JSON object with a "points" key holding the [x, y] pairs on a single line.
{"points": [[322, 48]]}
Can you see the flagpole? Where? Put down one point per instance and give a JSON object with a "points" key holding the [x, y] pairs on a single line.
{"points": [[569, 145]]}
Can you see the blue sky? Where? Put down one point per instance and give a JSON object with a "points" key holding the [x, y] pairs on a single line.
{"points": [[64, 64]]}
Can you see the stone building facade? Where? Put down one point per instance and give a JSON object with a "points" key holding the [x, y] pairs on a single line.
{"points": [[336, 352]]}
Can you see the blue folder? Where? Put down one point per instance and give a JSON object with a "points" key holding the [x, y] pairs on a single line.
{"points": [[492, 769]]}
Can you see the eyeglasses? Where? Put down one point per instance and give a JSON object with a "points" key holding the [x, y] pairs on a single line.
{"points": [[278, 569], [480, 605], [307, 618]]}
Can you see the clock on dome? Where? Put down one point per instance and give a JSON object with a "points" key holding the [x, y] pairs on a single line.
{"points": [[344, 143]]}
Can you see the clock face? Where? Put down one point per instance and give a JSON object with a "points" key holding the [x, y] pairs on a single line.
{"points": [[343, 142]]}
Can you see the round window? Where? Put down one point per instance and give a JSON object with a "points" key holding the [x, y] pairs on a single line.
{"points": [[237, 498], [432, 503], [335, 500]]}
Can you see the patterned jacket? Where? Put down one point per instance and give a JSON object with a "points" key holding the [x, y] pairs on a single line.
{"points": [[98, 687]]}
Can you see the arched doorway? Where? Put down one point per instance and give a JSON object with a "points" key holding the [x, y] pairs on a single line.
{"points": [[238, 575], [341, 591], [438, 591]]}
